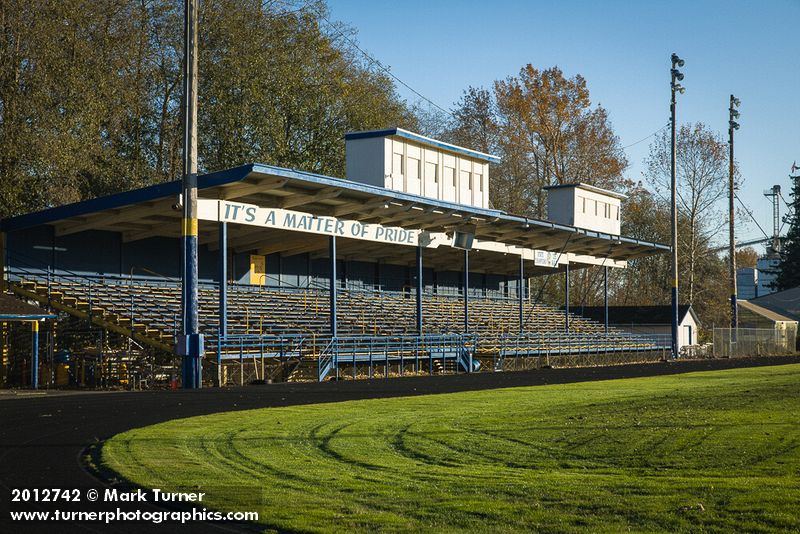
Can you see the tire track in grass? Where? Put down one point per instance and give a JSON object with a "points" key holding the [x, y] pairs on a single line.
{"points": [[238, 461], [323, 444], [399, 445], [144, 466]]}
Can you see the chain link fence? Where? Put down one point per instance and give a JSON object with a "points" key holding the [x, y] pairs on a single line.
{"points": [[731, 343]]}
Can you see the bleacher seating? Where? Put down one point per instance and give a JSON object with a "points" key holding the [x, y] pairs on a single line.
{"points": [[151, 310]]}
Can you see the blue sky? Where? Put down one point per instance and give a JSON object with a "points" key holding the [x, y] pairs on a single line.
{"points": [[622, 48]]}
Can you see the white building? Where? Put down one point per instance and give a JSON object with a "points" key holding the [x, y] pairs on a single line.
{"points": [[405, 161], [585, 206]]}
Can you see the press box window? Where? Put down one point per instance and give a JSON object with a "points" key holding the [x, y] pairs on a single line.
{"points": [[450, 175], [466, 180], [397, 164]]}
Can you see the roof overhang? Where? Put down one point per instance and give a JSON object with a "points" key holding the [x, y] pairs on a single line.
{"points": [[149, 212]]}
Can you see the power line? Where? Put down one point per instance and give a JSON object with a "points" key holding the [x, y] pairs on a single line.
{"points": [[646, 138], [750, 213], [381, 65]]}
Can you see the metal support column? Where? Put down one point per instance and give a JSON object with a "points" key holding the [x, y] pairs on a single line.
{"points": [[466, 291], [566, 298], [419, 290], [605, 297], [190, 346], [333, 288], [520, 293], [223, 295], [35, 354]]}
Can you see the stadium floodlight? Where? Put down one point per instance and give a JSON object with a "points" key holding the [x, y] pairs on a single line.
{"points": [[732, 125], [675, 87]]}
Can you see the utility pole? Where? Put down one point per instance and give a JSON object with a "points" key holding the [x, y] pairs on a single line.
{"points": [[675, 77], [732, 125], [190, 345]]}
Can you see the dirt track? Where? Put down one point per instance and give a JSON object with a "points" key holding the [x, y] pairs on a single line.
{"points": [[43, 436]]}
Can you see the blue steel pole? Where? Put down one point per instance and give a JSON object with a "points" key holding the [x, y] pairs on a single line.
{"points": [[520, 294], [605, 297], [223, 295], [466, 291], [35, 354], [566, 298], [333, 290], [419, 290], [191, 346]]}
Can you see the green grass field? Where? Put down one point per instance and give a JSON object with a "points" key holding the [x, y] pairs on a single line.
{"points": [[716, 451]]}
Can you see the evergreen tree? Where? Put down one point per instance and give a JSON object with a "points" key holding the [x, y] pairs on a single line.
{"points": [[789, 275]]}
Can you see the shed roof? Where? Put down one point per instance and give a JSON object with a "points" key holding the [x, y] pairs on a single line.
{"points": [[764, 312], [786, 302], [641, 315]]}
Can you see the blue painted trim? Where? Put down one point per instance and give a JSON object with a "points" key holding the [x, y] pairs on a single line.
{"points": [[333, 287], [35, 359], [18, 317], [466, 291], [119, 200], [419, 276], [399, 132], [566, 298]]}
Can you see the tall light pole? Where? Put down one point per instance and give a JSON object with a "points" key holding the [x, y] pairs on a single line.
{"points": [[675, 77], [190, 344], [732, 125]]}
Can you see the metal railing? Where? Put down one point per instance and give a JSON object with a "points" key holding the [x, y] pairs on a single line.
{"points": [[370, 351]]}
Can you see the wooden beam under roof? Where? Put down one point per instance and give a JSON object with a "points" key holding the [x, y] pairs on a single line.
{"points": [[300, 199], [163, 226], [294, 245], [112, 217], [358, 207], [245, 188]]}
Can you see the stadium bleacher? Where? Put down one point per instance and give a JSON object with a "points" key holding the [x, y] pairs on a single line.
{"points": [[149, 309]]}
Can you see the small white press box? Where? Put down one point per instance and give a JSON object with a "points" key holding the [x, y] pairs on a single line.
{"points": [[404, 161], [585, 206]]}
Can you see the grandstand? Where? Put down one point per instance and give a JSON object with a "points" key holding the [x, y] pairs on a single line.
{"points": [[309, 277]]}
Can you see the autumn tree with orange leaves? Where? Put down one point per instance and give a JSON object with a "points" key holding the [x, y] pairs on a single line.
{"points": [[546, 131]]}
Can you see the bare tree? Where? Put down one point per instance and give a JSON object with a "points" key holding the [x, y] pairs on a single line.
{"points": [[702, 171]]}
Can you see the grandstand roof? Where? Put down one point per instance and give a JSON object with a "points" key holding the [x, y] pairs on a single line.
{"points": [[148, 212]]}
